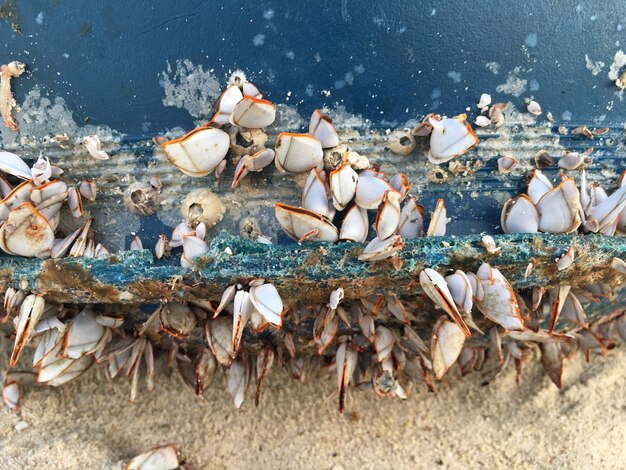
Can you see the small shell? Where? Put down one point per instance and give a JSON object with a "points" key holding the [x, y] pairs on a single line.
{"points": [[346, 360], [297, 153], [41, 171], [377, 249], [538, 186], [507, 164], [161, 246], [253, 113], [336, 297], [460, 288], [543, 159], [355, 225], [534, 108], [484, 102], [490, 244], [31, 310], [26, 233], [237, 381], [83, 335], [343, 184], [499, 303], [411, 220], [552, 361], [93, 145], [142, 198], [198, 152], [135, 243], [482, 121], [401, 183], [583, 130], [605, 213], [242, 310], [301, 224], [438, 221], [436, 288], [87, 190], [75, 202], [11, 394], [268, 303], [519, 215], [192, 248], [574, 160], [388, 215], [315, 196], [321, 127], [260, 160], [177, 319], [226, 104], [162, 458], [402, 142], [450, 138], [559, 208], [445, 346], [566, 260], [370, 191]]}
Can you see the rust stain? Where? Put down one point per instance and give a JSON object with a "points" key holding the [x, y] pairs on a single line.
{"points": [[62, 281]]}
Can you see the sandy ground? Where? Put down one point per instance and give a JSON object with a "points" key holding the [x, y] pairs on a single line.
{"points": [[91, 424]]}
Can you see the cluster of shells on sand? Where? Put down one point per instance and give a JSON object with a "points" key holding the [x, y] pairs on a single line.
{"points": [[371, 343]]}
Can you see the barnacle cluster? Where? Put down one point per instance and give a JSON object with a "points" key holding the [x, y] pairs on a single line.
{"points": [[384, 342]]}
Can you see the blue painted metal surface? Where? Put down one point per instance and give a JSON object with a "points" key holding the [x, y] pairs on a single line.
{"points": [[388, 61]]}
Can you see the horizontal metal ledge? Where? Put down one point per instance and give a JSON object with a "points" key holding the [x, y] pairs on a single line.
{"points": [[309, 271]]}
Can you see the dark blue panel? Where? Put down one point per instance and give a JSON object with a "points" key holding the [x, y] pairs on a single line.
{"points": [[388, 61]]}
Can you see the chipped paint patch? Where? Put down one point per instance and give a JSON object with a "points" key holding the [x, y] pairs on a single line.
{"points": [[514, 85], [190, 87], [595, 67]]}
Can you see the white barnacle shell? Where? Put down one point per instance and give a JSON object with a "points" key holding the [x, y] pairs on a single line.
{"points": [[93, 145], [559, 208], [482, 121], [534, 108], [75, 202], [438, 221], [499, 303], [378, 249], [16, 197], [507, 164], [315, 195], [388, 215], [484, 102], [490, 244], [538, 186], [31, 310], [450, 138], [346, 360], [370, 191], [619, 265], [11, 394], [621, 225], [411, 223], [566, 260], [436, 288], [136, 243], [39, 194], [41, 171], [606, 212], [445, 346], [160, 247], [260, 160], [192, 247], [158, 458], [253, 113], [177, 234], [241, 170], [573, 160], [237, 380], [26, 232], [242, 310], [268, 303], [401, 183], [83, 335], [355, 225], [297, 153], [198, 152], [343, 184], [461, 290], [321, 127], [519, 215], [87, 189], [302, 224], [14, 165], [226, 104]]}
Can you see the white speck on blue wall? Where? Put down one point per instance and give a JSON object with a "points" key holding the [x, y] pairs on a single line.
{"points": [[290, 55], [309, 90], [531, 40], [39, 18], [258, 40], [268, 14], [533, 85], [566, 116], [435, 94]]}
